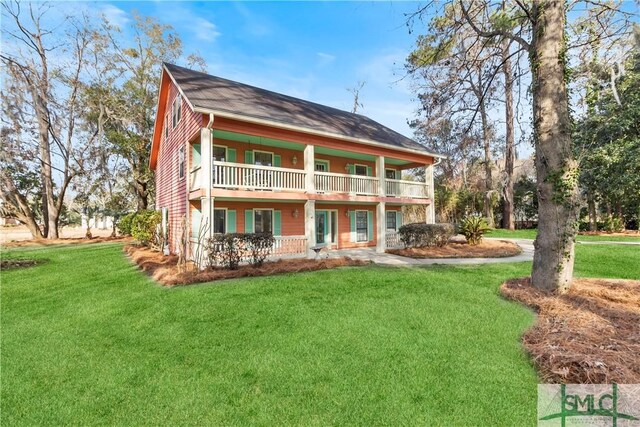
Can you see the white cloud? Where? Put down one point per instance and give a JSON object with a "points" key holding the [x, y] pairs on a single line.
{"points": [[205, 30], [325, 58], [115, 16]]}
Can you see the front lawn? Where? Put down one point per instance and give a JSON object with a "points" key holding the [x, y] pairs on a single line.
{"points": [[531, 234], [89, 339]]}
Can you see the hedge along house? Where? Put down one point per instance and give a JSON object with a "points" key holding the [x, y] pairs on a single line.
{"points": [[243, 159]]}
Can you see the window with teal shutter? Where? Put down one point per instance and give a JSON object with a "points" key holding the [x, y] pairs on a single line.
{"points": [[231, 154], [248, 157], [277, 223], [248, 221], [370, 225], [231, 221]]}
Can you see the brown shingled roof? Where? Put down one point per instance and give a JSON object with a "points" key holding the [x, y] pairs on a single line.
{"points": [[211, 93]]}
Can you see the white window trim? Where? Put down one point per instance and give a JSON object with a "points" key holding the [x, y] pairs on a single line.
{"points": [[385, 219], [226, 151], [273, 156], [177, 102], [226, 218], [184, 160], [273, 218], [356, 230], [327, 162], [355, 169]]}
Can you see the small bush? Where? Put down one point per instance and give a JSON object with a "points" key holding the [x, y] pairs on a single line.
{"points": [[228, 250], [420, 234], [613, 224], [124, 225], [474, 227], [144, 227]]}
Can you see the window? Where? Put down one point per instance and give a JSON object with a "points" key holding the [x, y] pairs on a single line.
{"points": [[362, 226], [262, 158], [181, 162], [322, 166], [219, 221], [166, 127], [361, 170], [390, 173], [177, 110], [263, 221], [219, 153], [392, 221]]}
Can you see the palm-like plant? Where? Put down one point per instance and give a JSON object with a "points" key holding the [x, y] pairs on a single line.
{"points": [[473, 227]]}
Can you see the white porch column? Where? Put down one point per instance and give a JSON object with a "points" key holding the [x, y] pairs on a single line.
{"points": [[206, 158], [310, 224], [309, 169], [382, 187], [381, 228], [428, 179]]}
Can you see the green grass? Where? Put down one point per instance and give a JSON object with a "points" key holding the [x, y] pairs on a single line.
{"points": [[531, 234], [88, 339]]}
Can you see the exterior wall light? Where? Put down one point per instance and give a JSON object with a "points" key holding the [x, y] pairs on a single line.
{"points": [[294, 160], [295, 213]]}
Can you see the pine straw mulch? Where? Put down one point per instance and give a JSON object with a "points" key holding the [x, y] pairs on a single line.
{"points": [[590, 335], [164, 269], [457, 249], [10, 264], [64, 241]]}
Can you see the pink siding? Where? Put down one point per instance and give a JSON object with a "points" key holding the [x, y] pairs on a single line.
{"points": [[171, 191]]}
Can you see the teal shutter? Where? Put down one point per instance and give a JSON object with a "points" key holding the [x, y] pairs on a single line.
{"points": [[398, 219], [369, 171], [277, 223], [231, 221], [277, 160], [398, 174], [195, 222], [370, 225], [352, 220], [248, 157], [248, 221], [352, 169], [195, 155], [231, 154]]}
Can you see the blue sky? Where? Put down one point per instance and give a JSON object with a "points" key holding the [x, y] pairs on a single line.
{"points": [[313, 50]]}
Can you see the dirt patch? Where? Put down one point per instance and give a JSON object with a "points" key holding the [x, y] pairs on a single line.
{"points": [[63, 241], [10, 264], [457, 249], [590, 335], [164, 269]]}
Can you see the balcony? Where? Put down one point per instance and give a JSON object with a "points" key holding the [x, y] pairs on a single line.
{"points": [[241, 176]]}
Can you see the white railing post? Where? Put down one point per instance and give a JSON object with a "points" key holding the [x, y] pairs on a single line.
{"points": [[381, 176], [206, 172], [309, 169], [310, 225], [428, 179]]}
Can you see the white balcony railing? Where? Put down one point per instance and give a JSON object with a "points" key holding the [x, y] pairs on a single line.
{"points": [[256, 177], [327, 182], [400, 188]]}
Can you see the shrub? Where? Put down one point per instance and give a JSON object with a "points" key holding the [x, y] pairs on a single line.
{"points": [[420, 234], [228, 250], [613, 224], [473, 227], [144, 227], [124, 225]]}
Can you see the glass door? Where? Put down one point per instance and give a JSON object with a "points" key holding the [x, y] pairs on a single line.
{"points": [[321, 227]]}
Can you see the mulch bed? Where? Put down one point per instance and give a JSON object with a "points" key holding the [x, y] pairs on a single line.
{"points": [[64, 241], [590, 335], [164, 269], [455, 249], [625, 233], [10, 264]]}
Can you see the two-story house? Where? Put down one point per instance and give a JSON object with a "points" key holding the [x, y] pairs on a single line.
{"points": [[230, 157]]}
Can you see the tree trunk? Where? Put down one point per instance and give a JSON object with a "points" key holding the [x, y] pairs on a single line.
{"points": [[593, 217], [508, 220], [556, 170], [488, 181], [142, 194]]}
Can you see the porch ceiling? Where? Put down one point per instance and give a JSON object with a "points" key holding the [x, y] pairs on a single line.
{"points": [[271, 142]]}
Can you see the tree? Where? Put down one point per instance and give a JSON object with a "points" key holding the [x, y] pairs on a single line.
{"points": [[48, 65]]}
